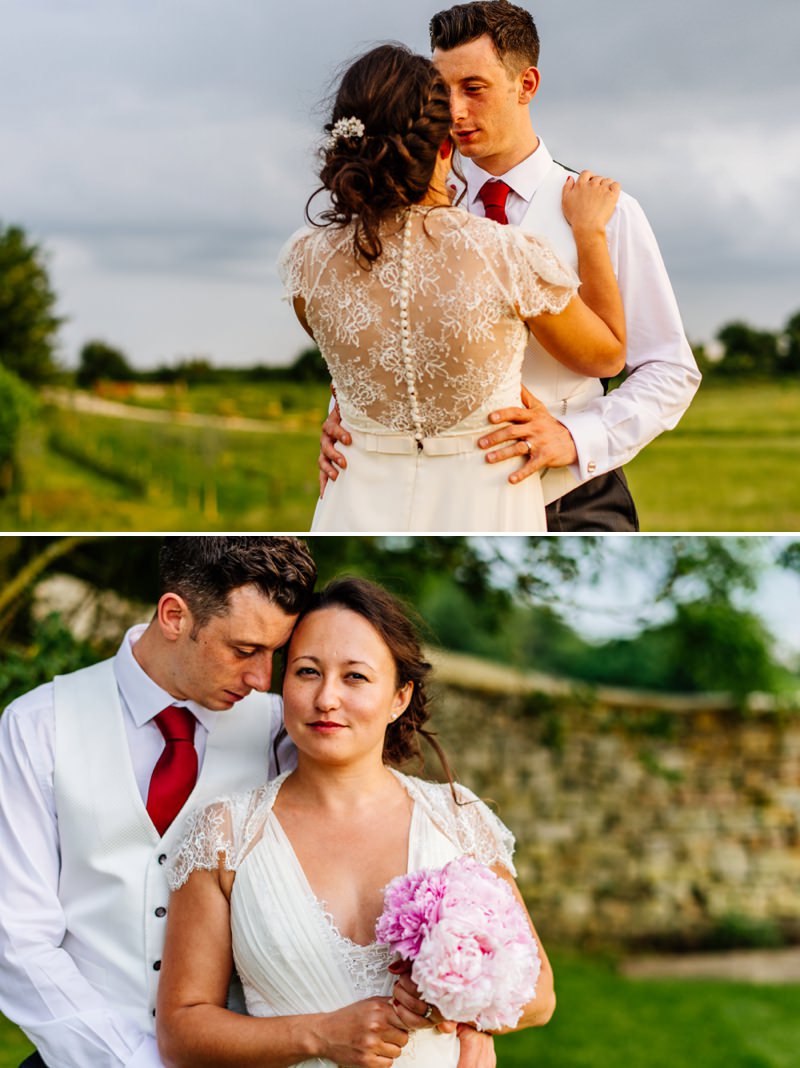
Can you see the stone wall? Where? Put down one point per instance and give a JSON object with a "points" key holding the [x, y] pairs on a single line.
{"points": [[641, 819]]}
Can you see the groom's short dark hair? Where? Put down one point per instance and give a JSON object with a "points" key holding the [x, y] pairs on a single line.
{"points": [[204, 569], [511, 29]]}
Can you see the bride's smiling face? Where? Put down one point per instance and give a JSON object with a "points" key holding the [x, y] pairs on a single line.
{"points": [[340, 688]]}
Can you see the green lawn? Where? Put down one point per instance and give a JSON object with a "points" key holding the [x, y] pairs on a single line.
{"points": [[87, 472], [729, 466], [605, 1021]]}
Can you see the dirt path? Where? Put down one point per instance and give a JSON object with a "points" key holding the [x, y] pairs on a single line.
{"points": [[85, 402], [741, 965]]}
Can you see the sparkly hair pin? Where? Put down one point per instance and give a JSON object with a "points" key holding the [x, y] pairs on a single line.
{"points": [[344, 129]]}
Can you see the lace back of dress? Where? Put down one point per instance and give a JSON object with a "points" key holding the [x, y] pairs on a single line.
{"points": [[432, 332]]}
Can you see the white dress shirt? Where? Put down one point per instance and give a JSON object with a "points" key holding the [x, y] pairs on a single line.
{"points": [[662, 373], [39, 984]]}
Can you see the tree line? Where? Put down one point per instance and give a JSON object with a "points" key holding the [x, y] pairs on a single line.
{"points": [[691, 625], [29, 329]]}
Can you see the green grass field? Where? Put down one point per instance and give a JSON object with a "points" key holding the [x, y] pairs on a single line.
{"points": [[605, 1021], [729, 466]]}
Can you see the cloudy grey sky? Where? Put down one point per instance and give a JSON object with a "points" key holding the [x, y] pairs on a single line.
{"points": [[162, 150]]}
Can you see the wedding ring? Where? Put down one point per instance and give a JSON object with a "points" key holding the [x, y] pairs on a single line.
{"points": [[527, 445], [429, 1012]]}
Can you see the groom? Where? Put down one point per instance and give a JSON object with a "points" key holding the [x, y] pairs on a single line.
{"points": [[570, 429], [97, 769]]}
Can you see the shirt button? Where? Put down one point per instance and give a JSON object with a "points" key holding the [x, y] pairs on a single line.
{"points": [[591, 467], [162, 858], [161, 911], [154, 1012], [157, 966]]}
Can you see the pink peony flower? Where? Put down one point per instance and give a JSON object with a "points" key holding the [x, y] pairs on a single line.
{"points": [[411, 907], [472, 952]]}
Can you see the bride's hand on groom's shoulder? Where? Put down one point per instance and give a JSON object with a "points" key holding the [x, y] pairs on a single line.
{"points": [[589, 201]]}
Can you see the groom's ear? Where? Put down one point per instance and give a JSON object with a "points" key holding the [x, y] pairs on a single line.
{"points": [[529, 80], [174, 616]]}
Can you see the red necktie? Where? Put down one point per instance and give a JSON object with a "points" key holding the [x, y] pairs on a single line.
{"points": [[175, 772], [494, 195]]}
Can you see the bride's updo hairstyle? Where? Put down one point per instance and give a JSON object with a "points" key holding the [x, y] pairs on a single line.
{"points": [[402, 105], [392, 621]]}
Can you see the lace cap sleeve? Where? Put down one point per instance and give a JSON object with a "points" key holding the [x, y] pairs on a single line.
{"points": [[470, 823], [292, 264], [538, 280], [482, 834], [222, 830]]}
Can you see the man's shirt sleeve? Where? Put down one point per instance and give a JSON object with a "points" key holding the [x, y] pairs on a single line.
{"points": [[662, 373]]}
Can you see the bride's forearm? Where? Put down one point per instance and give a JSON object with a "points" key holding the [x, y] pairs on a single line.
{"points": [[599, 290], [207, 1036], [539, 1009]]}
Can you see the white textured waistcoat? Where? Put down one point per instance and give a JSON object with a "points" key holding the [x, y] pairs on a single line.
{"points": [[560, 389], [112, 884]]}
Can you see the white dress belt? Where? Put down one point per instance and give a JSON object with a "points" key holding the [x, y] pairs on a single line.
{"points": [[408, 445]]}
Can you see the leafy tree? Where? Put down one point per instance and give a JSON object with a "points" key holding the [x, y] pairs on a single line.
{"points": [[510, 599], [747, 351], [309, 367], [195, 369], [706, 646], [790, 346], [720, 647], [102, 362], [50, 650], [28, 325]]}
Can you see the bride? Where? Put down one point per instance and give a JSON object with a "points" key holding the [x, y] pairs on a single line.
{"points": [[286, 881], [422, 311]]}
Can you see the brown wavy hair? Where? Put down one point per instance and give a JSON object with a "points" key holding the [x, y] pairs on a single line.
{"points": [[205, 569], [404, 106], [511, 29], [392, 620]]}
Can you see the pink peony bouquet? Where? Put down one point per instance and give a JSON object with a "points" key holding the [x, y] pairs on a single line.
{"points": [[469, 942]]}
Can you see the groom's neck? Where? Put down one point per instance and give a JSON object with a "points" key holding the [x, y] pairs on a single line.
{"points": [[501, 162]]}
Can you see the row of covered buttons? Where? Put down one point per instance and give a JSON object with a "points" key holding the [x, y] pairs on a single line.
{"points": [[405, 331]]}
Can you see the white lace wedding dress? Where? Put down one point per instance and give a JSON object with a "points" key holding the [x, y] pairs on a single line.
{"points": [[421, 348], [288, 952]]}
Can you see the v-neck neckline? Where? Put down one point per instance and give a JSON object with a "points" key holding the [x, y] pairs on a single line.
{"points": [[320, 904]]}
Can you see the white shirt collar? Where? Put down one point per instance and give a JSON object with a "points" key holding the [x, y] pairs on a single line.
{"points": [[144, 697], [524, 179]]}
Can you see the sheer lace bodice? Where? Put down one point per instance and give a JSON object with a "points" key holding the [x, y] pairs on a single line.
{"points": [[431, 338], [288, 951]]}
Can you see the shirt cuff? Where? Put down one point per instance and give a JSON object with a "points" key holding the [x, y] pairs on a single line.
{"points": [[591, 444], [146, 1055]]}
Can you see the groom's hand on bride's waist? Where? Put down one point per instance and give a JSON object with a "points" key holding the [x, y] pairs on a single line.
{"points": [[532, 434], [329, 457]]}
